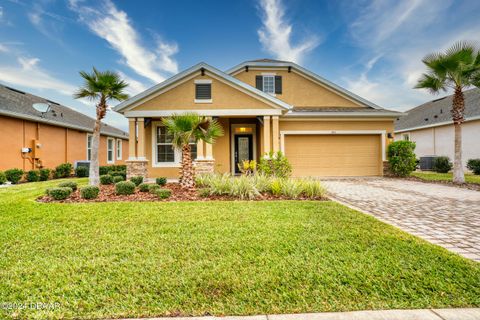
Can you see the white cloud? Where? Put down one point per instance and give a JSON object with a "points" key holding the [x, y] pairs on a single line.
{"points": [[275, 34], [4, 48], [134, 86], [115, 27], [28, 74]]}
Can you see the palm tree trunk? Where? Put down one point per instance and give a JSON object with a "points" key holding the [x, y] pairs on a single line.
{"points": [[94, 172], [458, 110], [187, 175]]}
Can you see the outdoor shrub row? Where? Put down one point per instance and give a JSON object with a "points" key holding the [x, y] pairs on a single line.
{"points": [[474, 165], [59, 193], [116, 168], [442, 165], [124, 188], [137, 180], [252, 186], [81, 172], [89, 192]]}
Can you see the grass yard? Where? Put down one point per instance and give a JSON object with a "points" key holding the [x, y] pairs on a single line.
{"points": [[109, 260], [434, 176]]}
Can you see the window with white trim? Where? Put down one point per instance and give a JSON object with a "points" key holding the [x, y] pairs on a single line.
{"points": [[166, 153], [110, 150], [269, 84], [89, 147], [119, 149]]}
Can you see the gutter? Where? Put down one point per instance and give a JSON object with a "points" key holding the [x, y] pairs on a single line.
{"points": [[56, 123], [439, 124]]}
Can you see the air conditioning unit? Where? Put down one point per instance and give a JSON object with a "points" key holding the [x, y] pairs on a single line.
{"points": [[82, 164], [426, 163]]}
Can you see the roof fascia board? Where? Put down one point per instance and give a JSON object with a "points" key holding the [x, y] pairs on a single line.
{"points": [[439, 124], [56, 123], [205, 112], [344, 114]]}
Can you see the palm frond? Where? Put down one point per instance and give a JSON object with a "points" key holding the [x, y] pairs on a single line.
{"points": [[99, 84], [431, 82]]}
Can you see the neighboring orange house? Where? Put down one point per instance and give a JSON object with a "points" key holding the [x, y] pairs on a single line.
{"points": [[32, 140], [263, 105]]}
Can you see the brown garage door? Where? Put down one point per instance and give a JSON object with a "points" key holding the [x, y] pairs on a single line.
{"points": [[334, 155]]}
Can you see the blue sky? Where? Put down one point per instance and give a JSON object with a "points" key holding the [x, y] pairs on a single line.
{"points": [[373, 48]]}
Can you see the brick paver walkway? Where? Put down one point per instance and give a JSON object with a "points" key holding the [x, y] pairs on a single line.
{"points": [[444, 215]]}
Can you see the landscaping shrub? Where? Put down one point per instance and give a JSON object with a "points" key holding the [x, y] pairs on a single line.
{"points": [[144, 187], [89, 192], [33, 176], [60, 193], [81, 172], [275, 164], [442, 164], [106, 179], [3, 178], [44, 174], [401, 157], [276, 187], [68, 184], [247, 167], [137, 180], [118, 179], [164, 193], [474, 165], [14, 175], [103, 170], [153, 188], [243, 187], [313, 189], [161, 181], [123, 174], [125, 187], [63, 170], [203, 179], [291, 188]]}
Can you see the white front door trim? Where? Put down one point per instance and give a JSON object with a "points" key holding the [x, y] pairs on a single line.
{"points": [[382, 134], [232, 141]]}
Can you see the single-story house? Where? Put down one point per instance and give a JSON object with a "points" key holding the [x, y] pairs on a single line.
{"points": [[263, 105], [430, 126], [32, 139]]}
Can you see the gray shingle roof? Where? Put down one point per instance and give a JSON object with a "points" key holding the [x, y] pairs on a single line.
{"points": [[18, 104], [341, 109], [437, 112]]}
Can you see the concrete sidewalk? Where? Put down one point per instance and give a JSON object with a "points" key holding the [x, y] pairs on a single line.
{"points": [[417, 314]]}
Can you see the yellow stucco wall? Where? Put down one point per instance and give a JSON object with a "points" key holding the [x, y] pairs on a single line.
{"points": [[182, 97], [299, 91]]}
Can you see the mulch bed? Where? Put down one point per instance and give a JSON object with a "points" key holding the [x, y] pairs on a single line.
{"points": [[107, 194]]}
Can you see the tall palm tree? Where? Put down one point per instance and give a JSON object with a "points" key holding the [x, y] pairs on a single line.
{"points": [[457, 68], [102, 87], [189, 128]]}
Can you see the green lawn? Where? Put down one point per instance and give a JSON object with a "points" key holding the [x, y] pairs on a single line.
{"points": [[103, 260], [433, 176]]}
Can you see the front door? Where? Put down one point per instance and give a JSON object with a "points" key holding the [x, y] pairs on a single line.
{"points": [[243, 149]]}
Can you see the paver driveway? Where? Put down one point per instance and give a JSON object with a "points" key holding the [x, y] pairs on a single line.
{"points": [[444, 215]]}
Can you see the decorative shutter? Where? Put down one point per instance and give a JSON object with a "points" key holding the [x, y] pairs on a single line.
{"points": [[203, 91], [278, 84], [259, 82]]}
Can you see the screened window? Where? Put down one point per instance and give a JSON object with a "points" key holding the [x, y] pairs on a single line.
{"points": [[165, 150], [110, 152], [119, 149], [89, 146], [269, 84], [203, 91]]}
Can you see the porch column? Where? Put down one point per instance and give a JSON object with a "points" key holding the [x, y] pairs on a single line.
{"points": [[275, 134], [141, 139], [266, 134], [132, 139], [208, 151], [200, 153]]}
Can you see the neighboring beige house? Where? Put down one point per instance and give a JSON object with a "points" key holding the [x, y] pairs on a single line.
{"points": [[430, 126], [263, 105], [33, 140]]}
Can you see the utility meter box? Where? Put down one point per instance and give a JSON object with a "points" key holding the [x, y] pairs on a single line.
{"points": [[37, 149]]}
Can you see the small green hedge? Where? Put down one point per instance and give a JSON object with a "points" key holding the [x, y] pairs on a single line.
{"points": [[161, 181], [164, 193], [144, 187], [401, 158], [137, 180], [442, 164], [106, 179], [63, 170], [474, 165], [33, 176], [60, 193], [3, 178], [89, 192], [14, 175], [118, 179], [153, 188], [68, 184], [44, 174], [124, 188], [81, 172]]}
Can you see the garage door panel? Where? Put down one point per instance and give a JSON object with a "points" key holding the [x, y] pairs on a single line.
{"points": [[334, 155]]}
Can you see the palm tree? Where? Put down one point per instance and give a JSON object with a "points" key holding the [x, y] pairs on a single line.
{"points": [[189, 128], [457, 68], [101, 86]]}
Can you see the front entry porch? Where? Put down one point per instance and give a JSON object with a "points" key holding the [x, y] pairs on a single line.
{"points": [[245, 137]]}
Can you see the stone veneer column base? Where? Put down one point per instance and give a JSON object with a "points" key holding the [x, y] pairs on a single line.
{"points": [[386, 169], [204, 166], [137, 168]]}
